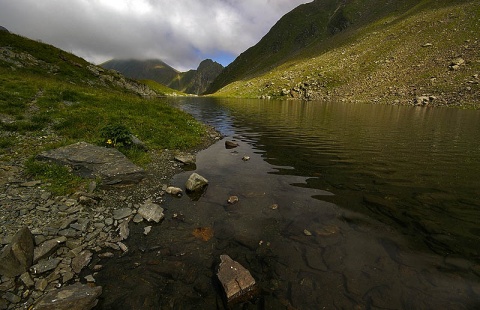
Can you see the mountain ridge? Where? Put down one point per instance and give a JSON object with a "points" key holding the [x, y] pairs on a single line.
{"points": [[191, 81], [396, 52]]}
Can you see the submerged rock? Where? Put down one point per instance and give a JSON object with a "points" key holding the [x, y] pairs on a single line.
{"points": [[230, 144], [237, 282], [74, 297]]}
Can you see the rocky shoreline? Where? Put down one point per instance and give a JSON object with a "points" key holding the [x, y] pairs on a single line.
{"points": [[72, 235]]}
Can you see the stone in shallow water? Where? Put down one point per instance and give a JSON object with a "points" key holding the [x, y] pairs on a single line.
{"points": [[122, 213], [74, 297], [195, 182], [236, 280], [151, 212]]}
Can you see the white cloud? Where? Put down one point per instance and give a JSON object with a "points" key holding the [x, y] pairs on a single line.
{"points": [[180, 32]]}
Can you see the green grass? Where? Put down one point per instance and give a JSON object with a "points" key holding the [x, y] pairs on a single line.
{"points": [[162, 89], [379, 55], [53, 100], [58, 179]]}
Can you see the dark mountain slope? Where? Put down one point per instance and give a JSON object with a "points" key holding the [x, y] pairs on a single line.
{"points": [[192, 81]]}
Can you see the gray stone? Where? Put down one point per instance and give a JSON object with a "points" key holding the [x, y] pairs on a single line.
{"points": [[123, 230], [27, 279], [74, 297], [237, 282], [230, 144], [122, 213], [151, 212], [139, 144], [47, 248], [81, 260], [174, 191], [187, 159], [92, 161], [14, 299], [195, 182], [17, 257], [45, 265]]}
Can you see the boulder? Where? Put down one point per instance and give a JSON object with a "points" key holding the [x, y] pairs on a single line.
{"points": [[186, 159], [237, 282], [195, 182], [17, 257], [73, 297], [92, 161], [175, 191], [47, 248]]}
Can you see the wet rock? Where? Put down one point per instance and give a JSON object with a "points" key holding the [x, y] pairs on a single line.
{"points": [[274, 206], [175, 191], [81, 260], [121, 213], [306, 232], [47, 248], [237, 282], [151, 212], [74, 297], [123, 230], [246, 158], [147, 230], [195, 182], [92, 161], [187, 159], [230, 144], [17, 257]]}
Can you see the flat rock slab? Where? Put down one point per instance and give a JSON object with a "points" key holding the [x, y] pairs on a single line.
{"points": [[17, 256], [90, 161], [73, 297], [237, 282]]}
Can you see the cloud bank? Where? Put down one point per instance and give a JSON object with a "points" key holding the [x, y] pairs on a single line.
{"points": [[180, 32]]}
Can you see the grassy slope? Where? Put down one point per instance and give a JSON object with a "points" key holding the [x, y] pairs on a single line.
{"points": [[378, 57], [49, 98]]}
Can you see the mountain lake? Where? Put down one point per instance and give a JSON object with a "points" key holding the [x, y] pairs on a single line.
{"points": [[341, 206]]}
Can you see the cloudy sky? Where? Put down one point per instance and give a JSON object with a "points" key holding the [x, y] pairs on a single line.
{"points": [[180, 32]]}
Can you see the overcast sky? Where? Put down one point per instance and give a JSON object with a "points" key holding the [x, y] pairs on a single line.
{"points": [[180, 32]]}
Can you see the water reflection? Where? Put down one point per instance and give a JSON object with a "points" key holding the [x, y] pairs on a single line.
{"points": [[415, 168], [377, 208]]}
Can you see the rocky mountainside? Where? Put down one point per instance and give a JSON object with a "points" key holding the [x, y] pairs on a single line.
{"points": [[192, 81], [400, 52]]}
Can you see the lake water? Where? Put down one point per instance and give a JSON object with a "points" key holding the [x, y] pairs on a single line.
{"points": [[378, 208]]}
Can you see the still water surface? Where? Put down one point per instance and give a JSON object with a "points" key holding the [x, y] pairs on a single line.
{"points": [[378, 208]]}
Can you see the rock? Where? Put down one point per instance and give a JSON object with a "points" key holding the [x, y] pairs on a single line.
{"points": [[92, 161], [427, 45], [151, 212], [237, 282], [122, 213], [45, 265], [246, 158], [147, 230], [422, 100], [232, 200], [47, 248], [139, 144], [81, 260], [456, 63], [123, 230], [31, 184], [175, 191], [306, 232], [187, 159], [230, 144], [73, 297], [196, 182], [274, 206], [17, 257], [27, 279]]}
